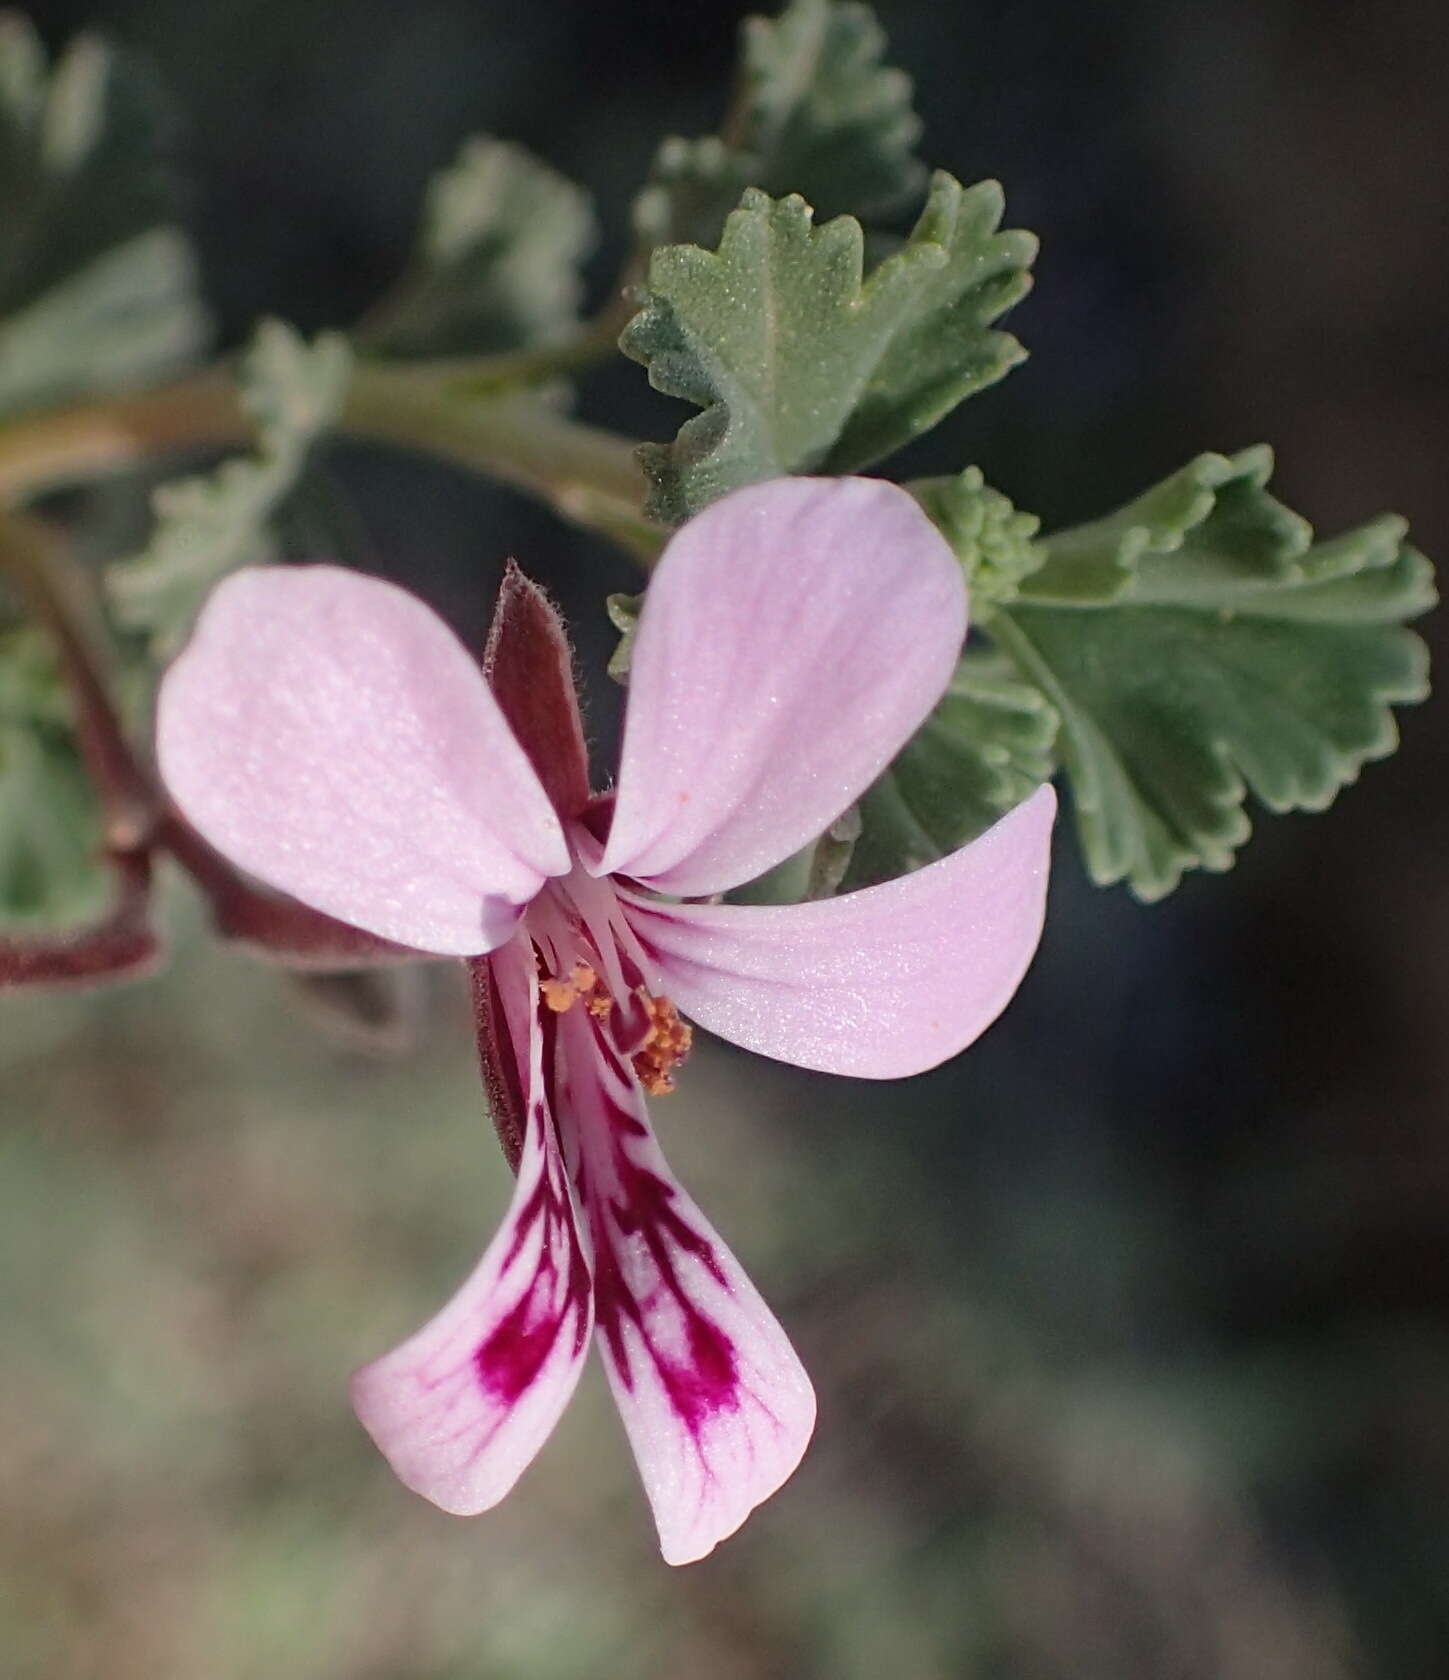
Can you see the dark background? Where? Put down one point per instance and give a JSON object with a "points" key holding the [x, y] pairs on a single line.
{"points": [[1129, 1328]]}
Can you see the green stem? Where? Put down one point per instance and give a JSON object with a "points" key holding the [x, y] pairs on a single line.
{"points": [[586, 474], [591, 343], [51, 593]]}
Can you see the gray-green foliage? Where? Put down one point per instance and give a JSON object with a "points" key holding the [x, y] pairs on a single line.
{"points": [[1213, 649], [801, 362], [991, 538], [984, 748], [497, 264], [815, 113], [97, 283], [51, 871], [209, 525]]}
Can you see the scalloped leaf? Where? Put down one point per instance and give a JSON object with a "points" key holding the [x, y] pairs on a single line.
{"points": [[1214, 515], [816, 113], [207, 526], [98, 287], [802, 364], [1233, 655], [991, 538], [986, 746], [498, 259]]}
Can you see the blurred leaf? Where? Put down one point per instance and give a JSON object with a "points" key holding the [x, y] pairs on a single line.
{"points": [[816, 113], [1236, 656], [801, 364], [497, 262], [986, 746], [209, 525], [97, 286], [52, 873], [992, 540]]}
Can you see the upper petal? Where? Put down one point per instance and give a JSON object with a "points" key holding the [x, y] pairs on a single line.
{"points": [[793, 637], [717, 1407], [460, 1409], [879, 983], [329, 733]]}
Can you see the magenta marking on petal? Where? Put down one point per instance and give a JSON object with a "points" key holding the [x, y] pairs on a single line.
{"points": [[509, 1359], [641, 1208], [716, 1406], [705, 1383]]}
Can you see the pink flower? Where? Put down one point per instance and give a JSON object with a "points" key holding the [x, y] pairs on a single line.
{"points": [[328, 733]]}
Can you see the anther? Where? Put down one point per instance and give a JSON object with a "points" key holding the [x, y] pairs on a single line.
{"points": [[666, 1043]]}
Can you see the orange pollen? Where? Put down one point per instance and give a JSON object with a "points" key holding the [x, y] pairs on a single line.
{"points": [[559, 995], [582, 982], [665, 1045]]}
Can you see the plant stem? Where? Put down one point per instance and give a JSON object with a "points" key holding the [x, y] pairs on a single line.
{"points": [[109, 434], [586, 474], [52, 594]]}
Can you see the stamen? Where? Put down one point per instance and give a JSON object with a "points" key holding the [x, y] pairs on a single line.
{"points": [[559, 995], [666, 1043]]}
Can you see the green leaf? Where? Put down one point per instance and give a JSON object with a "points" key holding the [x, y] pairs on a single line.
{"points": [[497, 263], [986, 746], [816, 113], [945, 349], [992, 540], [1233, 655], [209, 525], [800, 363], [98, 287], [1213, 514], [51, 870]]}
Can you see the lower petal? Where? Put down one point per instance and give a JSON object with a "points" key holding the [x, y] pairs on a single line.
{"points": [[461, 1408], [716, 1404], [879, 983]]}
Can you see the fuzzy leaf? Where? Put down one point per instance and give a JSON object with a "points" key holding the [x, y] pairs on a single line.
{"points": [[992, 540], [497, 261], [1214, 514], [52, 873], [1236, 657], [986, 746], [799, 362], [209, 525], [816, 113], [97, 285]]}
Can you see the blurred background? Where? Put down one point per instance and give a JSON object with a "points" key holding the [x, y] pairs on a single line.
{"points": [[1130, 1329]]}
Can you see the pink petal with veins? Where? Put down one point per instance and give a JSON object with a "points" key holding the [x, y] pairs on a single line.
{"points": [[461, 1408], [793, 637], [330, 734], [716, 1405], [879, 983]]}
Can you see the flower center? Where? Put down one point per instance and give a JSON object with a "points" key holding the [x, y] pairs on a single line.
{"points": [[587, 955]]}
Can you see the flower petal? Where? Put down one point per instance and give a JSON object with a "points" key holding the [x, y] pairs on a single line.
{"points": [[329, 733], [793, 637], [460, 1409], [879, 983], [717, 1407]]}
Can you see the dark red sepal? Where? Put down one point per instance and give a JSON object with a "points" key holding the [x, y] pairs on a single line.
{"points": [[530, 667]]}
